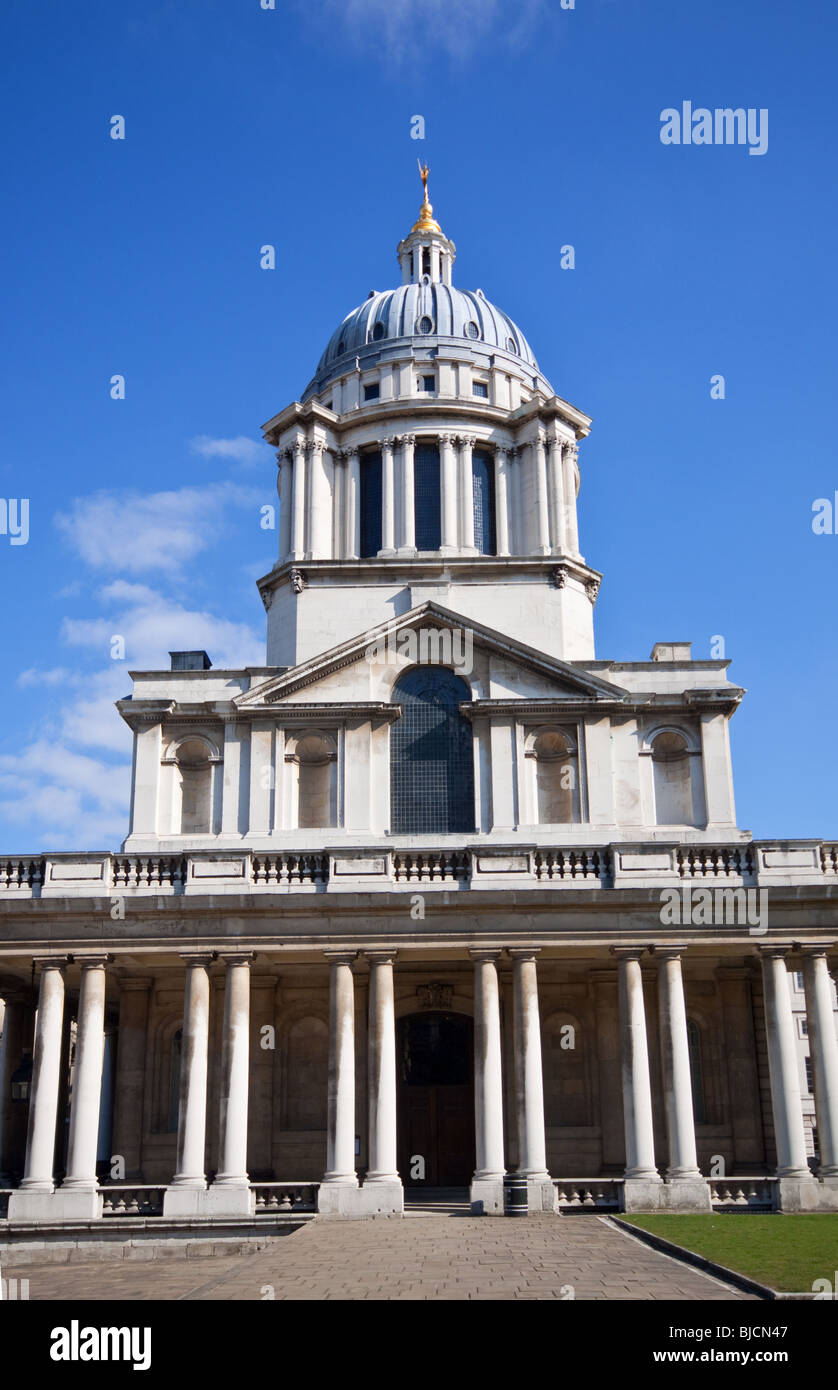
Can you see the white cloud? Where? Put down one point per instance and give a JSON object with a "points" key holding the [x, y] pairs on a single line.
{"points": [[69, 800], [55, 675], [242, 449], [156, 625], [132, 533], [411, 29]]}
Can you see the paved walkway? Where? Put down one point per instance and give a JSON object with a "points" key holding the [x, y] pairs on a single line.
{"points": [[425, 1256]]}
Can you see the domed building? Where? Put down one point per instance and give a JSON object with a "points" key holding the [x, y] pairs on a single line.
{"points": [[435, 897]]}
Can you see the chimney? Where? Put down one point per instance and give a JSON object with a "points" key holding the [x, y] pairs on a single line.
{"points": [[190, 661]]}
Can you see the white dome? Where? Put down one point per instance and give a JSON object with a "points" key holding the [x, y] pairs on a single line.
{"points": [[432, 315]]}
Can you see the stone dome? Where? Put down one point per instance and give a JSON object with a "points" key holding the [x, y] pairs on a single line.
{"points": [[425, 316]]}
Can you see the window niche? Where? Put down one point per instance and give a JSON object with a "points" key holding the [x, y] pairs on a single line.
{"points": [[674, 788], [194, 767], [553, 776], [313, 761]]}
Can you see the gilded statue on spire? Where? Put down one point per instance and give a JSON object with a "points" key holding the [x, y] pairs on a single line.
{"points": [[426, 221]]}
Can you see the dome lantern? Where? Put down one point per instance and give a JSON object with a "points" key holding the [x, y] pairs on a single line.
{"points": [[426, 255]]}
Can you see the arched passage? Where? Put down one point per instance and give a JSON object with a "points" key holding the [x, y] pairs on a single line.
{"points": [[435, 1099]]}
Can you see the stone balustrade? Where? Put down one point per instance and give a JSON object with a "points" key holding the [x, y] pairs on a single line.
{"points": [[744, 1194], [755, 864], [589, 1194]]}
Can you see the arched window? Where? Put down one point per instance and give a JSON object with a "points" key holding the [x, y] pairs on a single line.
{"points": [[483, 482], [431, 755], [672, 779], [426, 496], [174, 1082], [696, 1073], [370, 504], [554, 777], [195, 773], [314, 757]]}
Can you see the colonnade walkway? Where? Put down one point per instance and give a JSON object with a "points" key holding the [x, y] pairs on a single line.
{"points": [[430, 1257]]}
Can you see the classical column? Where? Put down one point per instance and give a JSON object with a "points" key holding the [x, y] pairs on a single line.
{"points": [[320, 502], [352, 495], [542, 505], [823, 1049], [388, 499], [677, 1083], [637, 1090], [298, 519], [782, 1064], [502, 499], [466, 442], [232, 1180], [569, 478], [557, 509], [192, 1113], [284, 485], [448, 472], [46, 1077], [87, 1077], [407, 539], [529, 1082], [340, 1139], [382, 1075], [487, 1183], [129, 1090]]}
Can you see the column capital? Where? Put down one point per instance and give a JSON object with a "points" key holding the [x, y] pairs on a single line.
{"points": [[479, 954], [236, 957], [94, 958], [447, 438], [315, 446], [628, 952], [774, 952], [299, 445], [340, 957], [523, 952], [51, 962], [382, 957], [812, 952], [408, 439], [388, 441], [671, 951], [204, 958]]}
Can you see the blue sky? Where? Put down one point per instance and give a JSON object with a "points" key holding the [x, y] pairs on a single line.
{"points": [[291, 126]]}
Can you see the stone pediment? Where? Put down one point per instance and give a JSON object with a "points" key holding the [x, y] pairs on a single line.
{"points": [[495, 665]]}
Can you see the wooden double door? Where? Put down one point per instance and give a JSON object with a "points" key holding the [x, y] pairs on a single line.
{"points": [[435, 1099]]}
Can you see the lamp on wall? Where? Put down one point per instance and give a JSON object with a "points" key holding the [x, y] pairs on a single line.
{"points": [[22, 1079]]}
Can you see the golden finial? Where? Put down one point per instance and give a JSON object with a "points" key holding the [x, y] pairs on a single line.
{"points": [[426, 221]]}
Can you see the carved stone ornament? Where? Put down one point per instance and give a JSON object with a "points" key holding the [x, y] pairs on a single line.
{"points": [[592, 589], [298, 581], [267, 598], [435, 995], [559, 576]]}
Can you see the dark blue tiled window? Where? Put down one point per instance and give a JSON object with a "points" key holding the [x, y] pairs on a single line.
{"points": [[370, 504], [431, 755], [483, 472], [427, 497]]}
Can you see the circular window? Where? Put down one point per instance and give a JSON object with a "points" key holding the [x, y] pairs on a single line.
{"points": [[378, 331], [425, 324], [510, 345], [472, 331]]}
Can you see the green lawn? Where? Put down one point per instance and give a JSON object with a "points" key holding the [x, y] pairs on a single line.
{"points": [[786, 1252]]}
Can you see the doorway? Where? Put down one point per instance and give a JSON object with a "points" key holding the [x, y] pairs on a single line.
{"points": [[435, 1099]]}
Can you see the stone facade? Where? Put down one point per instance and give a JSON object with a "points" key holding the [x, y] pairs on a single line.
{"points": [[338, 954]]}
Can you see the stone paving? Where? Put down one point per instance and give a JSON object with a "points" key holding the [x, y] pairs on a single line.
{"points": [[424, 1256]]}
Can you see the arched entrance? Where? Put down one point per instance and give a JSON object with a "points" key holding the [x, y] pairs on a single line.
{"points": [[436, 1098]]}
